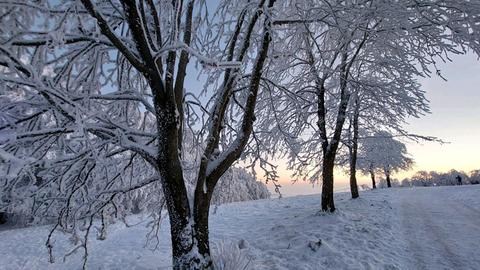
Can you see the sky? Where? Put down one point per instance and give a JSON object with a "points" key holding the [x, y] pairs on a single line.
{"points": [[454, 118]]}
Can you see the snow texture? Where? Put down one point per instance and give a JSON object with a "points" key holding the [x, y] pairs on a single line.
{"points": [[399, 228]]}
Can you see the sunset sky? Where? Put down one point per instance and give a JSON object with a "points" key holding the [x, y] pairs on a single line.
{"points": [[454, 118]]}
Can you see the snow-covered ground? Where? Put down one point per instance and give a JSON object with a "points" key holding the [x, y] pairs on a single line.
{"points": [[440, 226], [404, 228]]}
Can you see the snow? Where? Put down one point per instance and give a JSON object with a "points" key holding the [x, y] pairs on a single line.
{"points": [[441, 231], [400, 228]]}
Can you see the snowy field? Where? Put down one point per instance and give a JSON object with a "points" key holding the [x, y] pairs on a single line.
{"points": [[404, 228]]}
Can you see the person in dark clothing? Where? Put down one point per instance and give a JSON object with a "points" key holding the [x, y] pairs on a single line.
{"points": [[3, 218], [459, 180]]}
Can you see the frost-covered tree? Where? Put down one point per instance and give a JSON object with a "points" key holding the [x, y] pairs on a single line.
{"points": [[381, 102], [381, 152], [315, 63], [475, 177], [95, 105], [322, 52]]}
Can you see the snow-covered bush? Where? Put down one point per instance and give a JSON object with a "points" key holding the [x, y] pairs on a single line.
{"points": [[364, 187], [405, 183], [383, 183], [229, 256], [239, 185]]}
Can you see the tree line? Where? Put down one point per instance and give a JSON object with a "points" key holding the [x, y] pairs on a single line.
{"points": [[434, 178]]}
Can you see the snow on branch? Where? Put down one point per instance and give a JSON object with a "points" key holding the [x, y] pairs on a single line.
{"points": [[204, 60]]}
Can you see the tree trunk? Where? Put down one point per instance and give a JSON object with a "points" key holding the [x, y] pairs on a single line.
{"points": [[372, 175], [354, 152], [190, 241], [201, 214], [389, 184], [189, 234], [330, 149], [190, 246], [353, 177], [327, 186]]}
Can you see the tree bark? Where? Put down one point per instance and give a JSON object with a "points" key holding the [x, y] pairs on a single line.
{"points": [[353, 177], [190, 244], [389, 183], [201, 214], [372, 175], [328, 204], [353, 153], [190, 239], [190, 249], [185, 244]]}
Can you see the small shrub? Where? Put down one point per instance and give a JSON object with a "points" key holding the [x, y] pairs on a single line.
{"points": [[229, 256]]}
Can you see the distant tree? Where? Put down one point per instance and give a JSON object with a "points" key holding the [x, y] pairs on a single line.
{"points": [[381, 152], [456, 177], [372, 110], [421, 178], [475, 177], [433, 178], [238, 184]]}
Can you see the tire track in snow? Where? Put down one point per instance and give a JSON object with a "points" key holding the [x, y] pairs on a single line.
{"points": [[416, 250], [448, 256], [461, 207], [434, 227]]}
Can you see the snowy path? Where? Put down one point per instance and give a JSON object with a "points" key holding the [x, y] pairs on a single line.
{"points": [[441, 231]]}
